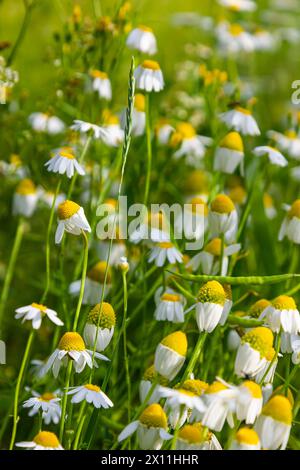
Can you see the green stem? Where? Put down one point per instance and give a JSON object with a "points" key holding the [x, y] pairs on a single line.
{"points": [[195, 356], [64, 401], [273, 360], [222, 252], [80, 160], [10, 268], [149, 150], [81, 420], [18, 386], [83, 276], [22, 32], [125, 346]]}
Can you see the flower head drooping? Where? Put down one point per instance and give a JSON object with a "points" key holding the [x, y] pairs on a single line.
{"points": [[142, 39], [170, 354], [274, 424], [91, 394], [35, 313], [209, 308], [196, 437], [94, 284], [290, 227], [229, 154], [223, 218], [282, 313], [44, 440], [101, 84], [25, 198], [149, 76], [246, 439], [241, 120], [71, 218], [100, 324], [64, 162]]}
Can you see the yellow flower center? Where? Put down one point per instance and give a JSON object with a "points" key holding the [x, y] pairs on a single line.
{"points": [[243, 110], [139, 102], [268, 201], [67, 209], [253, 388], [99, 74], [46, 439], [282, 391], [294, 210], [238, 195], [154, 416], [15, 160], [92, 388], [284, 302], [212, 292], [222, 204], [177, 342], [151, 374], [192, 433], [198, 206], [170, 297], [247, 436], [214, 247], [151, 64], [165, 245], [26, 187], [291, 134], [47, 396], [71, 341], [40, 307], [233, 141], [258, 307], [236, 29], [216, 387], [186, 130], [198, 387], [97, 273], [260, 339], [145, 28], [279, 408], [68, 155], [196, 182], [106, 317]]}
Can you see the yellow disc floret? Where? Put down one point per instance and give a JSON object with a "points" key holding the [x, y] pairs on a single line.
{"points": [[150, 374], [170, 297], [48, 396], [66, 209], [233, 141], [177, 342], [67, 155], [222, 204], [40, 307], [279, 408], [71, 341], [46, 439], [192, 433], [97, 273], [214, 247], [139, 102], [253, 388], [284, 302], [212, 292], [198, 387], [247, 436], [216, 387], [260, 339], [104, 315], [186, 130], [151, 64], [238, 194], [26, 187], [92, 388], [258, 307], [99, 74], [198, 206], [294, 210], [154, 416]]}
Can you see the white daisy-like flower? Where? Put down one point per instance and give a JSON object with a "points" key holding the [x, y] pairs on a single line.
{"points": [[290, 226], [282, 314], [264, 40], [196, 437], [64, 162], [288, 142], [44, 440], [241, 120], [229, 154], [209, 307], [71, 218], [223, 217], [208, 260], [150, 375], [91, 394], [42, 122], [113, 133], [47, 403], [101, 84], [238, 5], [180, 402], [191, 145], [169, 306], [154, 227], [275, 156], [149, 76], [274, 424], [71, 346], [25, 198], [249, 401], [86, 127], [234, 39], [142, 39], [246, 439], [94, 284], [151, 428], [35, 313], [170, 354], [233, 340], [165, 252], [193, 221], [100, 324]]}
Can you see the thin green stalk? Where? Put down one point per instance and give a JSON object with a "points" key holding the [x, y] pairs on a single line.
{"points": [[25, 23], [238, 280], [273, 360], [83, 276], [10, 268], [195, 356], [80, 423], [149, 150], [126, 363], [17, 391], [222, 252], [49, 228], [64, 401]]}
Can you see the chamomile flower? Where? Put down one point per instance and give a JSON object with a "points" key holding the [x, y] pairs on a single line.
{"points": [[149, 76], [150, 375], [249, 402], [288, 142], [269, 206], [290, 226], [223, 217], [154, 227], [220, 401], [64, 162], [94, 284], [71, 346], [208, 260], [196, 437], [43, 122], [234, 39], [35, 313], [254, 352], [179, 403], [274, 424], [151, 428], [245, 439], [229, 154], [47, 403], [258, 307], [190, 145], [169, 306], [44, 440], [238, 5], [101, 84], [283, 314], [100, 324], [170, 354], [25, 198], [275, 157], [209, 307], [193, 222], [71, 219], [138, 116], [241, 120], [91, 394], [113, 135], [165, 252], [142, 39]]}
